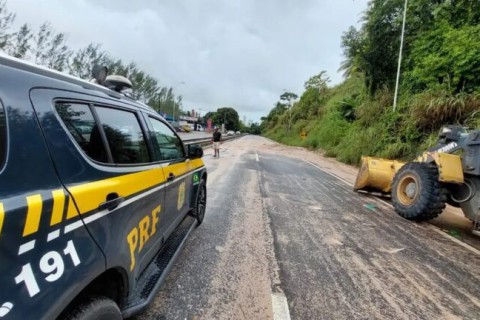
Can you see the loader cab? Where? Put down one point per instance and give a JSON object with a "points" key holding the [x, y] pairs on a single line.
{"points": [[451, 133]]}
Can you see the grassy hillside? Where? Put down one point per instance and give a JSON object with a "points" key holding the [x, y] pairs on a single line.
{"points": [[350, 123]]}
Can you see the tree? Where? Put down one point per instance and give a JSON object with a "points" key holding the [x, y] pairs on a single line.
{"points": [[451, 61], [439, 39], [6, 21], [255, 128], [444, 49], [318, 82], [288, 96], [50, 49], [83, 60], [310, 103], [382, 43], [227, 116], [352, 45], [20, 42], [163, 101]]}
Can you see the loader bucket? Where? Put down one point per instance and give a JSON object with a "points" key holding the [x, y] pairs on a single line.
{"points": [[376, 174]]}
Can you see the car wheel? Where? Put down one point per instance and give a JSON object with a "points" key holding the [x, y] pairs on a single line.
{"points": [[95, 308], [200, 202]]}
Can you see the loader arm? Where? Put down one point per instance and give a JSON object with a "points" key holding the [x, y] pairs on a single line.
{"points": [[376, 174]]}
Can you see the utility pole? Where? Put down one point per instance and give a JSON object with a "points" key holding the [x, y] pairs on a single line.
{"points": [[395, 97]]}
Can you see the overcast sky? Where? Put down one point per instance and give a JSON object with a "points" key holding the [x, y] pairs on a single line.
{"points": [[236, 53]]}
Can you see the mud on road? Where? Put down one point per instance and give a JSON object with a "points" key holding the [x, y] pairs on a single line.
{"points": [[285, 220]]}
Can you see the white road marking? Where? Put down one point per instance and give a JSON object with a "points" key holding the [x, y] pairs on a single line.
{"points": [[280, 307], [256, 156], [332, 174], [431, 227], [53, 235], [26, 247]]}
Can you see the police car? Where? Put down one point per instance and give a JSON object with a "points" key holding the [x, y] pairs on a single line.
{"points": [[97, 196]]}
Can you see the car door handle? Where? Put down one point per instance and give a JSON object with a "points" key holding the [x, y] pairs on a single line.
{"points": [[171, 177], [110, 204]]}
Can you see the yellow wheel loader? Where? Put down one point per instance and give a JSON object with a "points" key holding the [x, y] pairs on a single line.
{"points": [[446, 173]]}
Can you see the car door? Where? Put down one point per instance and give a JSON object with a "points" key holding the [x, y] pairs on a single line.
{"points": [[38, 259], [170, 150], [102, 156]]}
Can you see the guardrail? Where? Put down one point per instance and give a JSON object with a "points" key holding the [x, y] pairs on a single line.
{"points": [[206, 141]]}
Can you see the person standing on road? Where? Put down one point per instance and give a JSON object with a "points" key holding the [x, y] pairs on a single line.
{"points": [[217, 137]]}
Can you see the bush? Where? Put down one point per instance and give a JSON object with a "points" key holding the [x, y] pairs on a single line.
{"points": [[371, 109], [433, 109], [328, 132]]}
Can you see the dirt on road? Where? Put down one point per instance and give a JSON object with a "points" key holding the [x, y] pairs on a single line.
{"points": [[451, 221], [279, 227]]}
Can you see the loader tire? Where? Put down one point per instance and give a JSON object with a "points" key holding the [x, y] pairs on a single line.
{"points": [[416, 192]]}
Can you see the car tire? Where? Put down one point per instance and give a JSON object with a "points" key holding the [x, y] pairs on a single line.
{"points": [[200, 202], [95, 308], [416, 192]]}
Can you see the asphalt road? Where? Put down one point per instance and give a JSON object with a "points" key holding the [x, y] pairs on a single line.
{"points": [[281, 228]]}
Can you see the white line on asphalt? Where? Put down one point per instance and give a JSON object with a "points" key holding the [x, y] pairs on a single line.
{"points": [[431, 227], [332, 174], [280, 307], [256, 156]]}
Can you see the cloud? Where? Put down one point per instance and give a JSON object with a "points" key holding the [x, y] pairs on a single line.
{"points": [[241, 54]]}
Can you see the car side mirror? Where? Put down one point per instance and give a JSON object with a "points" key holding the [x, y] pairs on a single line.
{"points": [[195, 151]]}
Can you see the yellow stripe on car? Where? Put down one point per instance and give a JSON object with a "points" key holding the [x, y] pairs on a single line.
{"points": [[196, 163], [2, 216], [178, 169], [72, 210], [58, 206], [34, 214], [90, 195]]}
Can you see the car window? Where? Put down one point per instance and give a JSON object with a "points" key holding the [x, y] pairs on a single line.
{"points": [[79, 120], [124, 135], [168, 142], [3, 136]]}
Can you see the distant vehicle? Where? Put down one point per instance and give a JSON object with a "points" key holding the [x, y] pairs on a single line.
{"points": [[230, 133], [238, 132]]}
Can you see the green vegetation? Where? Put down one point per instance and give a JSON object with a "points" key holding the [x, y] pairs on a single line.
{"points": [[227, 116], [48, 48], [440, 84]]}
